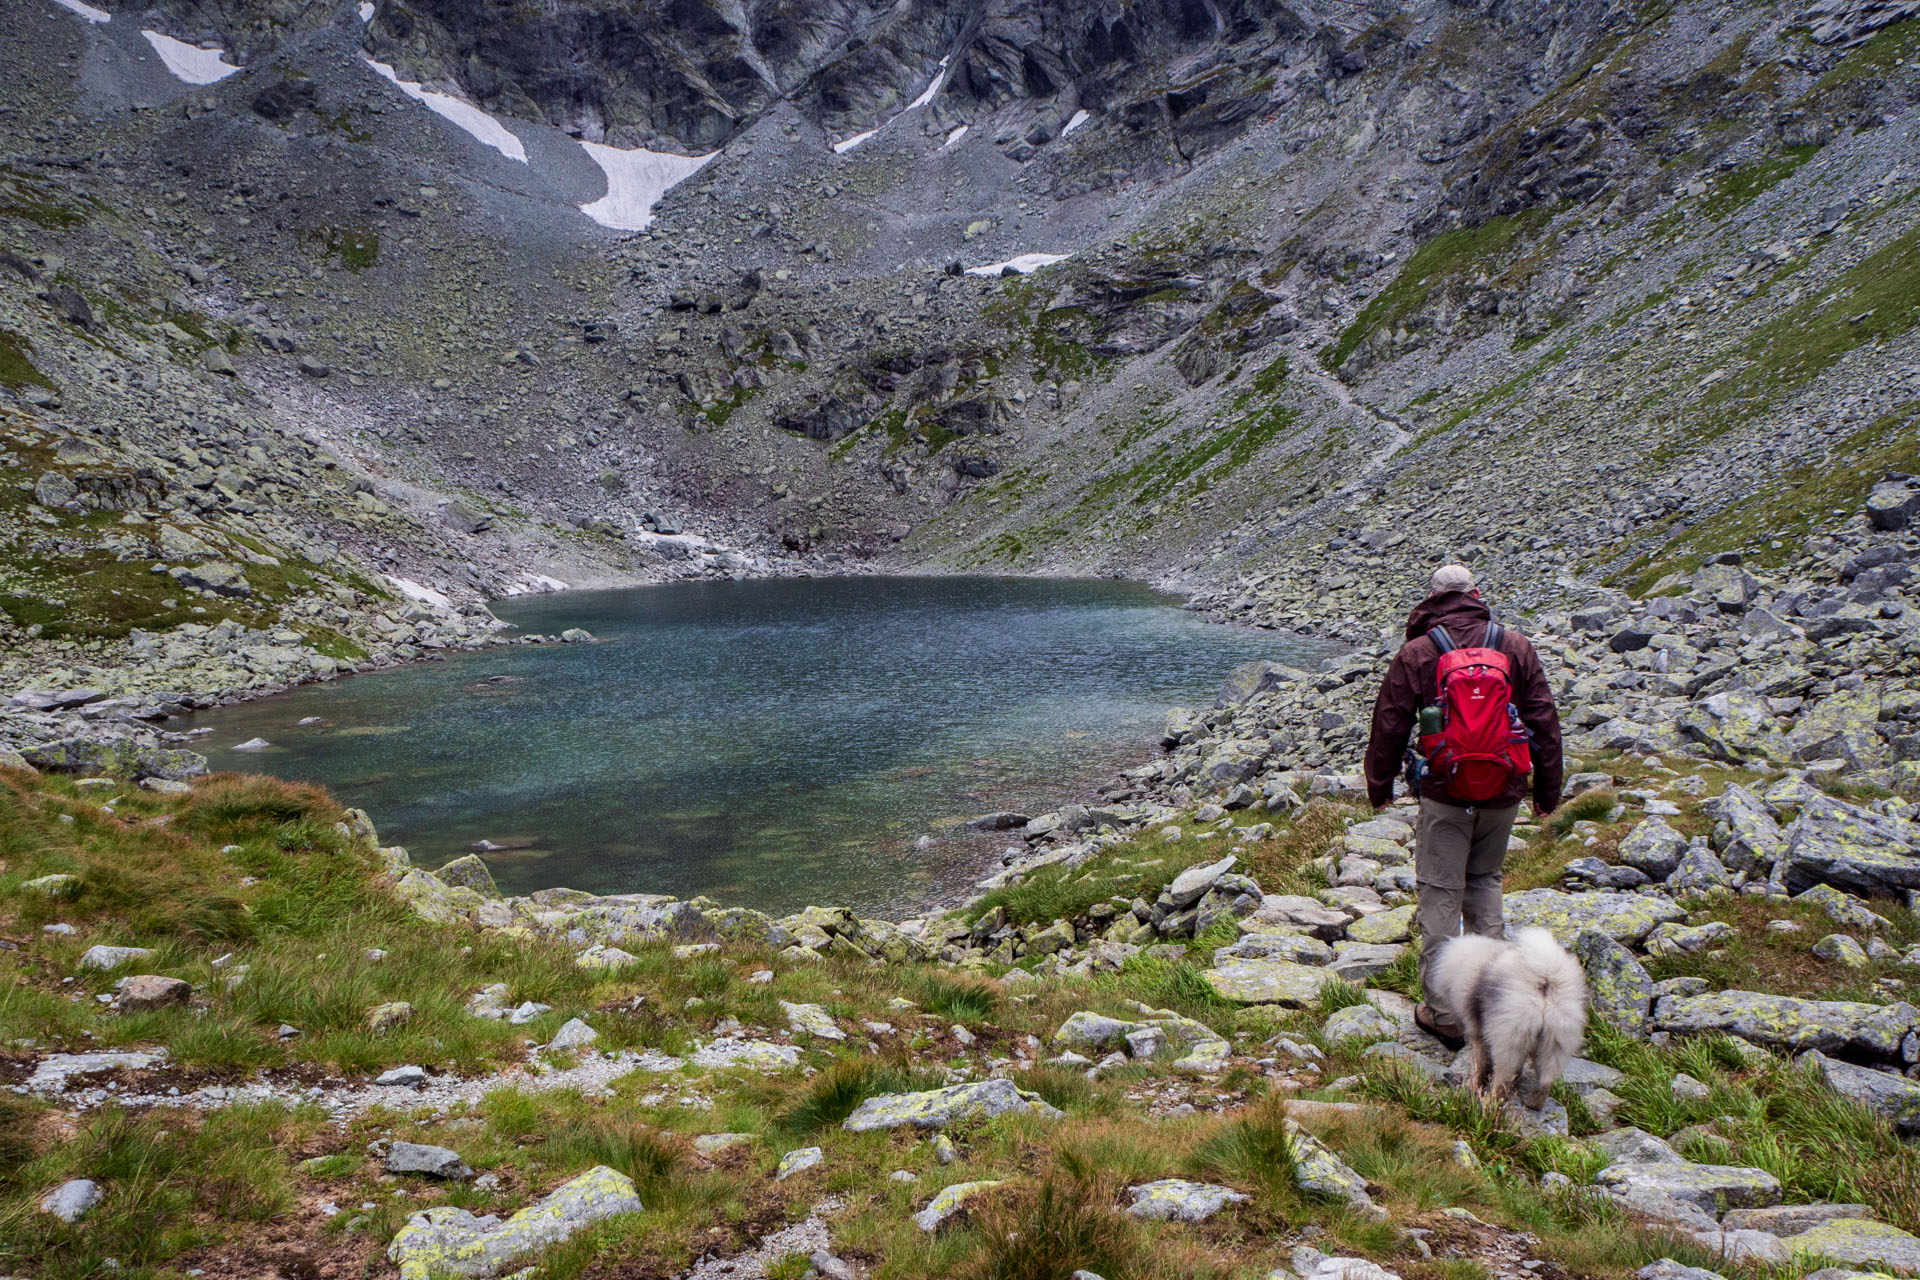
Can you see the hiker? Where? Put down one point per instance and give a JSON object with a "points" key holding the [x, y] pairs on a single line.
{"points": [[1485, 737]]}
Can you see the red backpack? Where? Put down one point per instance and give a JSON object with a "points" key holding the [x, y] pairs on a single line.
{"points": [[1480, 746]]}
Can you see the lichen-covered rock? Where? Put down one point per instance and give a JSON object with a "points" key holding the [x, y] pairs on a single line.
{"points": [[1710, 1188], [797, 1161], [1842, 950], [1256, 944], [1833, 842], [937, 1108], [448, 1242], [947, 1202], [1843, 908], [1790, 1023], [468, 872], [57, 885], [599, 956], [1653, 847], [1358, 961], [1626, 917], [1699, 875], [1177, 1200], [434, 900], [1735, 726], [94, 759], [812, 1020], [1382, 927], [1618, 985], [1269, 982], [385, 1017], [1358, 1022], [1205, 1050], [1893, 1096], [1859, 1241], [1318, 1171], [1744, 833]]}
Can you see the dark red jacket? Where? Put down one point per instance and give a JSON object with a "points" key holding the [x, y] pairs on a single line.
{"points": [[1409, 686]]}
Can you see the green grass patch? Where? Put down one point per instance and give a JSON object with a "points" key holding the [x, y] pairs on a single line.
{"points": [[1734, 191], [1446, 255], [16, 369]]}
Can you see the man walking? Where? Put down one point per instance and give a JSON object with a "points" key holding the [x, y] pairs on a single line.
{"points": [[1470, 764]]}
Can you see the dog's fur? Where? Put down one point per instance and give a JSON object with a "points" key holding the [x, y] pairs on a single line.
{"points": [[1522, 999]]}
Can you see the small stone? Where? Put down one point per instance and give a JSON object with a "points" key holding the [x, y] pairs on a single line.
{"points": [[435, 1162], [386, 1017], [575, 1035], [71, 1200], [151, 991], [410, 1077], [795, 1161], [104, 957]]}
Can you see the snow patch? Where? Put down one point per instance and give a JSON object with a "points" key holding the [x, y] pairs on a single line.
{"points": [[847, 144], [86, 11], [366, 11], [939, 79], [1022, 265], [194, 65], [476, 122], [635, 182], [537, 584], [414, 591], [1079, 118], [954, 137]]}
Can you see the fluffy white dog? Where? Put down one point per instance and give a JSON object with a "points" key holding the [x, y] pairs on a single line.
{"points": [[1518, 1000]]}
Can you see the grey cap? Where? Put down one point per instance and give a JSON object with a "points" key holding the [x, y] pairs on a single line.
{"points": [[1451, 577]]}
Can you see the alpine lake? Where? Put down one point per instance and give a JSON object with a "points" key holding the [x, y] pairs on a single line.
{"points": [[770, 743]]}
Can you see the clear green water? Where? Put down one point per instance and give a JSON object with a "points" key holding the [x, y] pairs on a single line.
{"points": [[771, 743]]}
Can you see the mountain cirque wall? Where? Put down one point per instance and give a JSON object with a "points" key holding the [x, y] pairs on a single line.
{"points": [[1582, 293]]}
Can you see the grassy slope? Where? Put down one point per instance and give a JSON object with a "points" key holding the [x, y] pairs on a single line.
{"points": [[256, 868]]}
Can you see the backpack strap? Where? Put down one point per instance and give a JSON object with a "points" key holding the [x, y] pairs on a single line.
{"points": [[1441, 640], [1495, 634]]}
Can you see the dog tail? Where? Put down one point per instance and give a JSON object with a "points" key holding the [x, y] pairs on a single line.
{"points": [[1552, 982]]}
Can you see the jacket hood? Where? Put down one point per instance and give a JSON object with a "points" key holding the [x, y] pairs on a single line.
{"points": [[1464, 616]]}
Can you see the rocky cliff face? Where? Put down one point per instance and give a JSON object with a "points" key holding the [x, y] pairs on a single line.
{"points": [[1302, 297]]}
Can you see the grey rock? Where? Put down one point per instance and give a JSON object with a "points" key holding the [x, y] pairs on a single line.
{"points": [[435, 1162]]}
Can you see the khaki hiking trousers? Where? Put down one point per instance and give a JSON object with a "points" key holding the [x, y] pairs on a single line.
{"points": [[1457, 856]]}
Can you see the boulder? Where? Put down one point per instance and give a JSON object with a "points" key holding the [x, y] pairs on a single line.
{"points": [[1626, 917], [468, 872], [1359, 1022], [1382, 927], [937, 1108], [91, 759], [1710, 1188], [1358, 961], [1618, 985], [1319, 1172], [1787, 1022], [1192, 884], [812, 1020], [1850, 847], [1859, 1241], [1177, 1200], [1893, 1096], [445, 1242], [1654, 848], [1269, 982]]}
